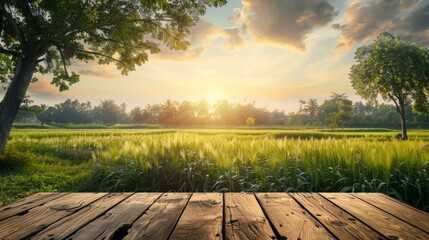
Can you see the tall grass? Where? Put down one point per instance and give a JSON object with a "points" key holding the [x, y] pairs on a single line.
{"points": [[241, 160]]}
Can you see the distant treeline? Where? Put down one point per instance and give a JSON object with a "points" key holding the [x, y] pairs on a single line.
{"points": [[338, 111]]}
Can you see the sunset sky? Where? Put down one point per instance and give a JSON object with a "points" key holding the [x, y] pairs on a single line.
{"points": [[275, 52]]}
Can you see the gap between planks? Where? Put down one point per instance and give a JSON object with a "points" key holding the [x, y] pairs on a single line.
{"points": [[220, 215]]}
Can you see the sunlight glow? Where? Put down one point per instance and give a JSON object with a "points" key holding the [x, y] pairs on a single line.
{"points": [[213, 97]]}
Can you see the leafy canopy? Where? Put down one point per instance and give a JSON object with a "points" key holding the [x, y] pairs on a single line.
{"points": [[393, 69], [122, 32]]}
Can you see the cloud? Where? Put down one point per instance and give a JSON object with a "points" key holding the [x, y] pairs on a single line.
{"points": [[234, 38], [43, 85], [201, 37], [415, 26], [366, 19], [44, 92], [284, 22], [98, 73]]}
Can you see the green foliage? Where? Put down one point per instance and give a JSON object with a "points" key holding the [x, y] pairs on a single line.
{"points": [[46, 36], [169, 112], [119, 32], [359, 160], [250, 121], [336, 111], [108, 112], [394, 70]]}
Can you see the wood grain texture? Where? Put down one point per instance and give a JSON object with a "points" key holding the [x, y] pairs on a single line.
{"points": [[411, 215], [159, 220], [38, 218], [289, 218], [384, 223], [68, 225], [397, 201], [117, 220], [27, 203], [212, 216], [202, 218], [339, 222], [244, 218]]}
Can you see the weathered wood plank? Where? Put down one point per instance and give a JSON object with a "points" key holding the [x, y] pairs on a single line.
{"points": [[68, 225], [289, 218], [38, 218], [159, 220], [340, 223], [399, 202], [117, 220], [412, 216], [202, 218], [384, 223], [31, 198], [27, 203], [244, 218]]}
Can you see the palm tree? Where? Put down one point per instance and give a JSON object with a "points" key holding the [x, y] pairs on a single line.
{"points": [[107, 111], [301, 103], [169, 111], [311, 107]]}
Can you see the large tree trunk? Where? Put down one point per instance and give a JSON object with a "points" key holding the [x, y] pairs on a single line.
{"points": [[14, 95], [403, 123]]}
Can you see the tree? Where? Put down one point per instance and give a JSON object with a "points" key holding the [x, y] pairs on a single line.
{"points": [[136, 115], [152, 112], [396, 70], [169, 111], [311, 107], [223, 111], [107, 112], [250, 121], [72, 112], [337, 110], [185, 113], [47, 116], [44, 36], [202, 110], [301, 104]]}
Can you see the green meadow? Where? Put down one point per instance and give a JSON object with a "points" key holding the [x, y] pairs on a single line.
{"points": [[314, 160]]}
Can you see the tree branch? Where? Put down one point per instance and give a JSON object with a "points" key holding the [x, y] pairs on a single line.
{"points": [[141, 45], [28, 15], [154, 19], [9, 52], [1, 22], [95, 26], [75, 31], [102, 55], [13, 24], [160, 27], [394, 101], [63, 60]]}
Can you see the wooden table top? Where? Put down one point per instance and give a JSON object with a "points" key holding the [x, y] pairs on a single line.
{"points": [[212, 216]]}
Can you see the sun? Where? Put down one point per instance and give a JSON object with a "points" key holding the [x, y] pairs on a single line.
{"points": [[213, 97]]}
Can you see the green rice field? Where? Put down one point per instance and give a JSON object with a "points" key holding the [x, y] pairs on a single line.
{"points": [[353, 160]]}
